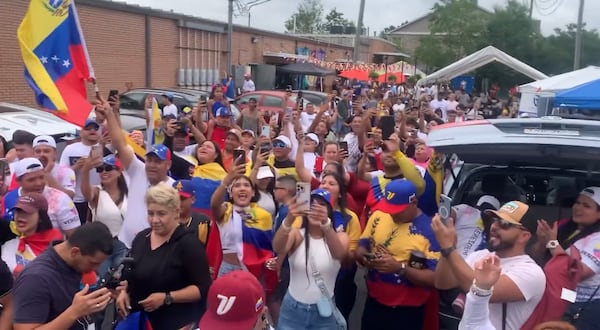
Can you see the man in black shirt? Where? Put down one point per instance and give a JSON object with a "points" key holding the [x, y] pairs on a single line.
{"points": [[6, 283], [195, 222], [48, 293]]}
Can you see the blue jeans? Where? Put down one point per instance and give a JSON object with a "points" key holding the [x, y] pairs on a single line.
{"points": [[119, 252], [295, 315], [227, 268]]}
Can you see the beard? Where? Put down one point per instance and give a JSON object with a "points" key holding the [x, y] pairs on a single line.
{"points": [[500, 246]]}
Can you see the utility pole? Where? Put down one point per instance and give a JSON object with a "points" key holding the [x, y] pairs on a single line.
{"points": [[578, 37], [229, 36], [531, 9], [359, 27]]}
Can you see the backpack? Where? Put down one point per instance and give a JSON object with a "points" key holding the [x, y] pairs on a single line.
{"points": [[562, 271]]}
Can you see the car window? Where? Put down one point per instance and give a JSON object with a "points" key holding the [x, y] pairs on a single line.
{"points": [[133, 101], [180, 102], [246, 99], [272, 101]]}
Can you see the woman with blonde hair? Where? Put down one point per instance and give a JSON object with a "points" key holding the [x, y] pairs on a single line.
{"points": [[169, 281]]}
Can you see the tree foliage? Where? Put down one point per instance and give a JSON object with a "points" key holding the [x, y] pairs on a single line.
{"points": [[336, 18], [307, 19], [459, 28]]}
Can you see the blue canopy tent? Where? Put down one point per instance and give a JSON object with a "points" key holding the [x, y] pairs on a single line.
{"points": [[585, 96]]}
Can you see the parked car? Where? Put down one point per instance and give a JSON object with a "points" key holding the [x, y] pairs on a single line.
{"points": [[271, 101], [542, 161], [132, 102]]}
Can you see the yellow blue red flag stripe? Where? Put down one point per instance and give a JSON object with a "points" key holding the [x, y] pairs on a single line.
{"points": [[55, 56]]}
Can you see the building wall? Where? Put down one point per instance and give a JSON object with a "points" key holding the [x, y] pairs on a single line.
{"points": [[116, 39], [420, 26]]}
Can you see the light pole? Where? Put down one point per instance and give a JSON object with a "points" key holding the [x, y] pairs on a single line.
{"points": [[252, 4], [578, 37], [229, 36]]}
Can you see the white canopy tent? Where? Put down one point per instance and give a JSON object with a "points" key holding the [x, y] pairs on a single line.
{"points": [[478, 59], [547, 88]]}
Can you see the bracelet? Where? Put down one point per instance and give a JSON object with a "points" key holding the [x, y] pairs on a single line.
{"points": [[287, 229], [479, 291], [327, 225]]}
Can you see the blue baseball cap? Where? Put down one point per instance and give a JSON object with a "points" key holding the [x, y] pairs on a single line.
{"points": [[168, 95], [322, 194], [223, 112], [397, 196], [161, 151], [91, 122], [185, 188], [112, 160]]}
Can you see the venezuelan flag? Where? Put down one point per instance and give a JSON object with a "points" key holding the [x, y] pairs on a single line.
{"points": [[56, 59], [153, 129], [206, 179]]}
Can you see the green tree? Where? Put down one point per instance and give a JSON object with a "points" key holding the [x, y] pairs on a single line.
{"points": [[336, 18], [307, 19], [559, 49]]}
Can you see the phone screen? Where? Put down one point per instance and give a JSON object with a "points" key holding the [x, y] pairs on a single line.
{"points": [[239, 156], [266, 131], [387, 125], [445, 208], [96, 151], [343, 145], [113, 92]]}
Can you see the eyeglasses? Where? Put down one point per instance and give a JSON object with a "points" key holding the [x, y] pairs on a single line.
{"points": [[506, 225], [279, 144], [277, 188], [106, 168]]}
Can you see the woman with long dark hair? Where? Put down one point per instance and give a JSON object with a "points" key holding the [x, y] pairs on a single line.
{"points": [[313, 248], [108, 202], [346, 221], [208, 175]]}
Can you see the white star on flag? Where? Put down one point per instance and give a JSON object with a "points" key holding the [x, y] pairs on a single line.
{"points": [[44, 59], [55, 58], [66, 63]]}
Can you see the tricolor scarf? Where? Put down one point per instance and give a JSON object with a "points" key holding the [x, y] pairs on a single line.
{"points": [[37, 242], [206, 179]]}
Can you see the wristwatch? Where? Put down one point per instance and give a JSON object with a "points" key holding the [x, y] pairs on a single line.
{"points": [[447, 251], [168, 298], [402, 269], [553, 244]]}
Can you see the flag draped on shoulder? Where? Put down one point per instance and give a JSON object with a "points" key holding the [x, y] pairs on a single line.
{"points": [[56, 60]]}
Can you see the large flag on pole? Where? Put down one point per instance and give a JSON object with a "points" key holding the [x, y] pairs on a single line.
{"points": [[56, 60], [153, 132]]}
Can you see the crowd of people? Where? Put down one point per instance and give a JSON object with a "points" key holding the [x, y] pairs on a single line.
{"points": [[263, 221]]}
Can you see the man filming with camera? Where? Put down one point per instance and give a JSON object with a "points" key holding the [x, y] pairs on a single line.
{"points": [[48, 294]]}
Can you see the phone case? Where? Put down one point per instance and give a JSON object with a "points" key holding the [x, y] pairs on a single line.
{"points": [[303, 195], [324, 307]]}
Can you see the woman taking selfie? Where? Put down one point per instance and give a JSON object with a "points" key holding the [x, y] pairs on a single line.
{"points": [[170, 277], [315, 247]]}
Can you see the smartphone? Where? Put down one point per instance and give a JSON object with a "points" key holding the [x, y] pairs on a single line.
{"points": [[414, 133], [204, 115], [73, 160], [343, 146], [445, 208], [96, 152], [3, 167], [265, 147], [275, 117], [239, 156], [266, 131], [370, 135], [388, 126], [372, 105], [370, 256], [303, 196], [288, 111], [113, 92]]}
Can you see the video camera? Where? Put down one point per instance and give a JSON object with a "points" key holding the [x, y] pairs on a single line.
{"points": [[115, 275]]}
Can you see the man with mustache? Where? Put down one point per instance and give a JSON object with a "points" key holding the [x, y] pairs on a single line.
{"points": [[58, 176]]}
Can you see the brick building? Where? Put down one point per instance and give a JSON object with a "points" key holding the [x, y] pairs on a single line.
{"points": [[149, 48]]}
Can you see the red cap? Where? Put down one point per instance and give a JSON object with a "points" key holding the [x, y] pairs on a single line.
{"points": [[235, 302]]}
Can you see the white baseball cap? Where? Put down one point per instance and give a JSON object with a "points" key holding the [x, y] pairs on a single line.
{"points": [[593, 193], [493, 201], [44, 140], [313, 137], [27, 165], [285, 140]]}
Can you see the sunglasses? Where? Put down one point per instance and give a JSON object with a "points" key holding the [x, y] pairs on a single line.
{"points": [[91, 128], [279, 144], [106, 168], [506, 225]]}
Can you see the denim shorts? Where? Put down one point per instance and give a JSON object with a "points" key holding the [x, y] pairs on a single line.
{"points": [[295, 315], [227, 268]]}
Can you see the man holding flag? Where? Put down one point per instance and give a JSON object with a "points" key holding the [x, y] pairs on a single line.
{"points": [[56, 59]]}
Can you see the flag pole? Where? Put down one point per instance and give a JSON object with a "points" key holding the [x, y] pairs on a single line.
{"points": [[92, 76]]}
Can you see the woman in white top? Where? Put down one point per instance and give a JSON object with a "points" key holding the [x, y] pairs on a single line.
{"points": [[315, 246], [108, 202]]}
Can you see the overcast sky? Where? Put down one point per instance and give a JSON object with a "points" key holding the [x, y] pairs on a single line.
{"points": [[378, 13]]}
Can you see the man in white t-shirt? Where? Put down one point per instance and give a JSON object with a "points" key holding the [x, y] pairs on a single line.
{"points": [[58, 176], [522, 282], [307, 117], [74, 156], [32, 178], [439, 103], [141, 176], [169, 108], [248, 84]]}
